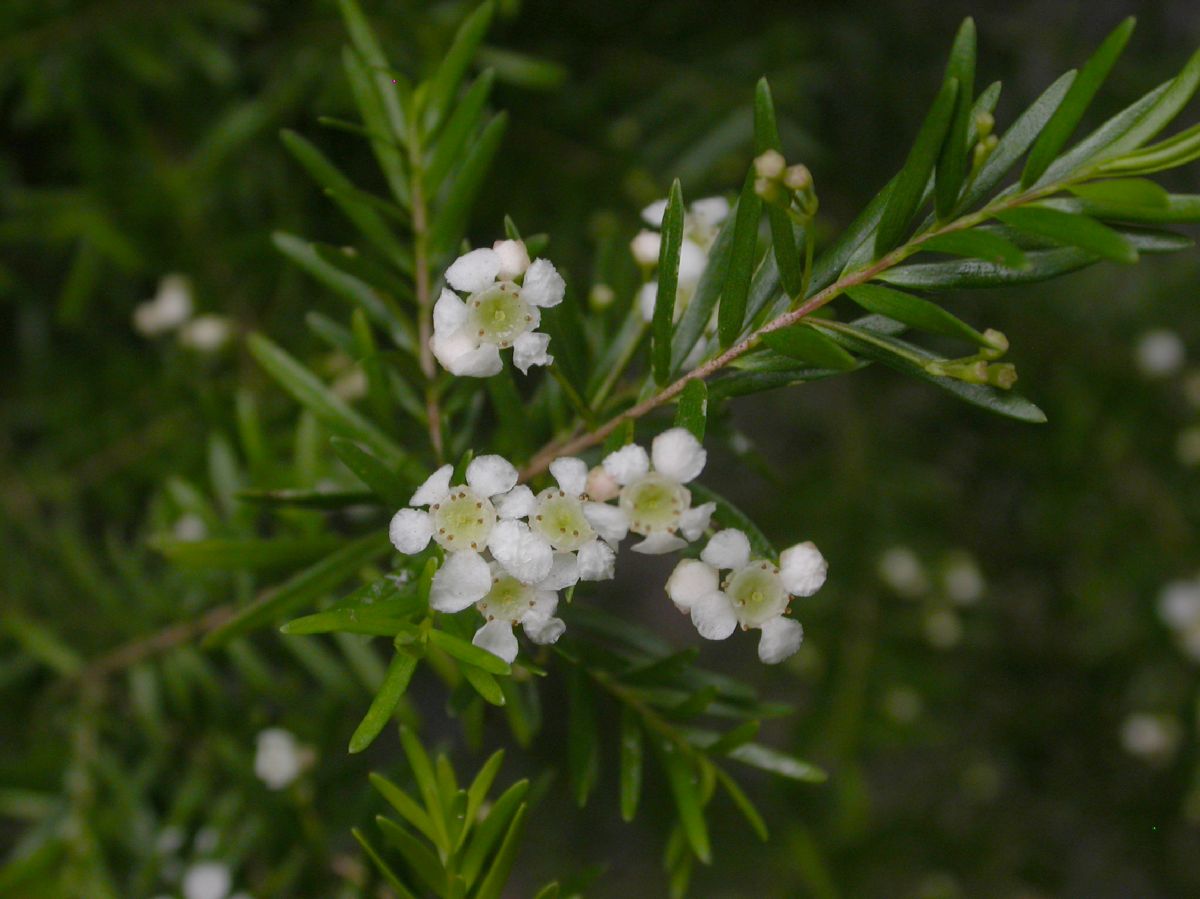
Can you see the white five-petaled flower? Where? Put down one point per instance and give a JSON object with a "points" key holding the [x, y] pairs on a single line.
{"points": [[510, 602], [755, 593], [497, 312], [700, 225], [653, 501]]}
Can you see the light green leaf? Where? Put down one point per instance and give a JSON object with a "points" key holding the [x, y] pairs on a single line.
{"points": [[419, 859], [405, 805], [742, 801], [1164, 109], [477, 792], [469, 653], [801, 342], [383, 706], [952, 161], [978, 244], [686, 791], [488, 832], [1069, 113], [1123, 192], [1071, 230], [692, 411], [914, 312], [484, 683], [497, 876], [389, 875]]}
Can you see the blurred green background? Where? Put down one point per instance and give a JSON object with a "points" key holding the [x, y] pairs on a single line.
{"points": [[1033, 734]]}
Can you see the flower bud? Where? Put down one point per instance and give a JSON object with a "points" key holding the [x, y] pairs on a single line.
{"points": [[600, 297], [1002, 375], [645, 248], [798, 177], [984, 123], [514, 259], [601, 486], [770, 165]]}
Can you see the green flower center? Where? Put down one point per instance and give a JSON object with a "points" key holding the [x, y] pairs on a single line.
{"points": [[757, 593], [654, 503], [508, 600], [498, 315], [463, 520], [560, 519]]}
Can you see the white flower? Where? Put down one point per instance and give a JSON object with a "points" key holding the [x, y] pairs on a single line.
{"points": [[206, 334], [510, 602], [646, 247], [755, 593], [653, 501], [170, 308], [1179, 605], [901, 570], [497, 312], [1151, 737], [278, 759], [1159, 354], [207, 880]]}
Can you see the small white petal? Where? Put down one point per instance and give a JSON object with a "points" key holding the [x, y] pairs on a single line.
{"points": [[709, 211], [462, 581], [691, 580], [571, 474], [278, 759], [780, 639], [514, 258], [543, 285], [497, 637], [543, 630], [692, 262], [653, 214], [525, 555], [564, 573], [646, 298], [530, 349], [610, 522], [659, 544], [729, 548], [627, 464], [450, 346], [449, 313], [474, 271], [481, 362], [597, 561], [435, 488], [206, 334], [410, 530], [713, 616], [517, 503], [678, 454], [491, 475], [694, 522], [646, 247], [207, 880], [802, 569]]}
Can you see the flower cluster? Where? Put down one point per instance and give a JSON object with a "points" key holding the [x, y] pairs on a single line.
{"points": [[754, 594], [171, 309], [509, 551], [498, 303], [700, 225]]}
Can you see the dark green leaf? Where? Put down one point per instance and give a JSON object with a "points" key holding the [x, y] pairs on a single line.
{"points": [[444, 85], [384, 704], [583, 751], [1164, 109], [952, 162], [699, 309], [468, 652], [742, 801], [484, 683], [303, 587], [450, 220], [631, 763], [488, 832], [309, 499], [905, 195], [668, 281], [1069, 113], [416, 855], [477, 792], [731, 314], [368, 47], [686, 791], [979, 244], [388, 874], [387, 619], [246, 554], [777, 762], [783, 240], [692, 411], [497, 876], [405, 805], [384, 482], [1123, 192], [1071, 230], [913, 311], [801, 342], [1179, 208], [463, 122]]}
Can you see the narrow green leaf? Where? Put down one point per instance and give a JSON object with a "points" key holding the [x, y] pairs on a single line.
{"points": [[699, 309], [389, 875], [41, 643], [308, 390], [488, 832], [783, 240], [419, 859], [384, 482], [1069, 113], [405, 805], [1071, 230], [692, 411], [668, 281], [583, 751], [952, 161], [801, 342], [1168, 105], [686, 791], [384, 704], [468, 652], [451, 218], [477, 792], [549, 891], [631, 763], [462, 124], [363, 38], [1179, 209], [745, 806], [444, 84], [484, 683], [379, 394], [246, 554], [309, 499], [304, 587], [978, 244], [365, 85], [733, 738], [914, 312], [384, 620], [776, 762], [731, 314], [1177, 150], [1123, 192], [427, 784], [909, 185], [506, 855]]}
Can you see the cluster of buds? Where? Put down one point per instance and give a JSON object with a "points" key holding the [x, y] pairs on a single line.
{"points": [[980, 368], [787, 186], [985, 140]]}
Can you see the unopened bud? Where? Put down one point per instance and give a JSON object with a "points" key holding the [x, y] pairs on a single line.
{"points": [[797, 177], [601, 486], [984, 149], [645, 248], [997, 342], [770, 165], [767, 190], [601, 297], [1002, 375], [984, 123]]}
